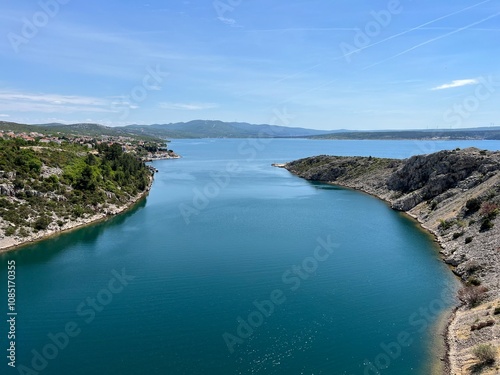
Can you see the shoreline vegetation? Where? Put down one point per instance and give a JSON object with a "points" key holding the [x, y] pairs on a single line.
{"points": [[12, 243], [47, 188], [454, 195]]}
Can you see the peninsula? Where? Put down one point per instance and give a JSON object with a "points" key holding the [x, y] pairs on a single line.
{"points": [[51, 183], [455, 196]]}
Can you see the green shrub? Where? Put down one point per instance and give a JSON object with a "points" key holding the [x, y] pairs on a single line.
{"points": [[446, 224], [457, 235], [472, 267], [23, 232], [10, 231], [77, 211], [496, 311], [468, 240], [486, 225], [485, 353], [42, 223], [18, 184], [473, 281], [472, 205], [4, 203]]}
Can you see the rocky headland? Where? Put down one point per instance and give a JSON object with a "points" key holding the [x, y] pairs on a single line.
{"points": [[455, 196]]}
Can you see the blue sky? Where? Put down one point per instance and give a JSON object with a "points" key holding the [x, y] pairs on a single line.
{"points": [[397, 64]]}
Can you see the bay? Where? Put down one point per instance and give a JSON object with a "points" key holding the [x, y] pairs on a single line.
{"points": [[221, 233]]}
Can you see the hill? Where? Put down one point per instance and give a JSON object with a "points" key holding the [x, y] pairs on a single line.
{"points": [[77, 130], [220, 129], [48, 187], [492, 133]]}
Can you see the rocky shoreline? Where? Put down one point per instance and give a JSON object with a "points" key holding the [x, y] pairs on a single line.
{"points": [[455, 195], [9, 243]]}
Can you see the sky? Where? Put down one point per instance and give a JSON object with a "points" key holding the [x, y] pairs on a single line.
{"points": [[344, 64]]}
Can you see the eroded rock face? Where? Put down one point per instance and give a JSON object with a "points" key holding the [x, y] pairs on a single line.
{"points": [[407, 202], [436, 173], [415, 180]]}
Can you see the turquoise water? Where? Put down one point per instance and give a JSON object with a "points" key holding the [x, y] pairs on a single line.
{"points": [[325, 280]]}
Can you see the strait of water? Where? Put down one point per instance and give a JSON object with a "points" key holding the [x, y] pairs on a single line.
{"points": [[231, 266]]}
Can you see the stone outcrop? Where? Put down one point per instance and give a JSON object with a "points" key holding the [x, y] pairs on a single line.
{"points": [[8, 175], [456, 196], [7, 190]]}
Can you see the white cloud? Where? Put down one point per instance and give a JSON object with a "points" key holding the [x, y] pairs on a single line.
{"points": [[457, 83], [50, 103], [2, 115], [187, 106]]}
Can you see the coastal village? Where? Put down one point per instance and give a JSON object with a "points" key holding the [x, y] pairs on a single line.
{"points": [[147, 150]]}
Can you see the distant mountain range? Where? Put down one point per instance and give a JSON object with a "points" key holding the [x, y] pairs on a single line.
{"points": [[191, 129], [485, 133], [220, 129]]}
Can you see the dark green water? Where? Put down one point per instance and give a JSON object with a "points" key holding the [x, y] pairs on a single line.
{"points": [[219, 234]]}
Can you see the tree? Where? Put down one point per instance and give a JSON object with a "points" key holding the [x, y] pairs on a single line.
{"points": [[87, 180]]}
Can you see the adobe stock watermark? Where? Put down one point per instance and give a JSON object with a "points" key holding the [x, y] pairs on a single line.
{"points": [[152, 81], [472, 103], [220, 180], [421, 320], [48, 9], [222, 7], [292, 278], [87, 310], [372, 29]]}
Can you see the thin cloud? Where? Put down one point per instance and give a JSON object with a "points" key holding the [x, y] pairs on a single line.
{"points": [[49, 98], [3, 115], [305, 29], [420, 27], [187, 106], [457, 83], [41, 102], [433, 40]]}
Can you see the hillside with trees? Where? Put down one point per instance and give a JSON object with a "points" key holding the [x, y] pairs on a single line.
{"points": [[45, 188]]}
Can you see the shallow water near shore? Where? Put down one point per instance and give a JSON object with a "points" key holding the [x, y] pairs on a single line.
{"points": [[218, 272]]}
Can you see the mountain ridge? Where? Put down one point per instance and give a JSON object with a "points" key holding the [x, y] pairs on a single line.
{"points": [[221, 129]]}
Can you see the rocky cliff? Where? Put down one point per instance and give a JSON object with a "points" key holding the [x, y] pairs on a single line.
{"points": [[455, 195]]}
